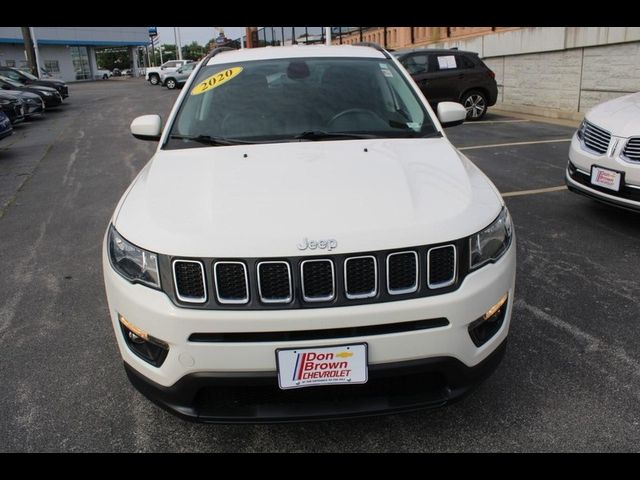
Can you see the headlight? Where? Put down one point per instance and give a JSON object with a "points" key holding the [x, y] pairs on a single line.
{"points": [[490, 244], [133, 263], [47, 94], [581, 129]]}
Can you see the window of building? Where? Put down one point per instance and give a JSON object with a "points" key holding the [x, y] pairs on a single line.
{"points": [[11, 63], [52, 66], [80, 59]]}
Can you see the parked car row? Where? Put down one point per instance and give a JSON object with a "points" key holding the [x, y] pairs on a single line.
{"points": [[23, 96]]}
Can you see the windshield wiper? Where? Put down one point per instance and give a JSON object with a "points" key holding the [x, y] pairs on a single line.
{"points": [[322, 135], [209, 140]]}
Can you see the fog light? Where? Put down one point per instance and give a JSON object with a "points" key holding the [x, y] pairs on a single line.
{"points": [[135, 338], [150, 349], [485, 327]]}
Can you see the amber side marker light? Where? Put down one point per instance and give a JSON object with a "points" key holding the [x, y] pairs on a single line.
{"points": [[492, 311], [148, 348], [482, 329]]}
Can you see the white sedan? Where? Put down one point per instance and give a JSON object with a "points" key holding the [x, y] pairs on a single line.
{"points": [[604, 157]]}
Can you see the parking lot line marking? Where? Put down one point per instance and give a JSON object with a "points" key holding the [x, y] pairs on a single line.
{"points": [[534, 192], [477, 147], [497, 121]]}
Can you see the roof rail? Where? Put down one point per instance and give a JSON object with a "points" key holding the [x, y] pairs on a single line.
{"points": [[214, 52], [373, 45]]}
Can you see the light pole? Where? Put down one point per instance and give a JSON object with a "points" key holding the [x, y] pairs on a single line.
{"points": [[176, 34], [327, 35]]}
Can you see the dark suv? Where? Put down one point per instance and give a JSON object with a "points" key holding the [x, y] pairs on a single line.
{"points": [[452, 75]]}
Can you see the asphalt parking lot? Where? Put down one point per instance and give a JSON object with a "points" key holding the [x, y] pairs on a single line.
{"points": [[570, 380]]}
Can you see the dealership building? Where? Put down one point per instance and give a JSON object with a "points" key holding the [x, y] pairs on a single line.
{"points": [[69, 53]]}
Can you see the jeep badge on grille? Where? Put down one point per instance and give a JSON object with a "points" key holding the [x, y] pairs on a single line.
{"points": [[328, 244]]}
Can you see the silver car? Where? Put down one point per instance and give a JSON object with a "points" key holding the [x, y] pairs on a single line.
{"points": [[178, 78]]}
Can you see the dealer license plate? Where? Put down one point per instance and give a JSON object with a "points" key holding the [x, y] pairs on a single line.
{"points": [[605, 178], [306, 367]]}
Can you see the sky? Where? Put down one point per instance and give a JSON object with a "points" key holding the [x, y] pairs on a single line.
{"points": [[200, 34]]}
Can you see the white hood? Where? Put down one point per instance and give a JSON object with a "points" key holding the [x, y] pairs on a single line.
{"points": [[215, 202], [620, 116]]}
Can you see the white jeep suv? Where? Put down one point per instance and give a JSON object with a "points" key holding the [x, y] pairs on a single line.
{"points": [[306, 243]]}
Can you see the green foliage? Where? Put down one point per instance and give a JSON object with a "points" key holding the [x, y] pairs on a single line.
{"points": [[110, 58]]}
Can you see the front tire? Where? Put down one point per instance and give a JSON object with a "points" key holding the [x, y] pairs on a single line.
{"points": [[105, 77], [154, 79], [476, 104], [170, 83]]}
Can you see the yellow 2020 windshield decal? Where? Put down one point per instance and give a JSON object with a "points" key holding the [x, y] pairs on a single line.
{"points": [[216, 80]]}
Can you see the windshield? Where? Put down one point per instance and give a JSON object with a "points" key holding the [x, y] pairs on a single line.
{"points": [[11, 82], [28, 75], [299, 99]]}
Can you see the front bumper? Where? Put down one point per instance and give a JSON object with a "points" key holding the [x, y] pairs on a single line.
{"points": [[253, 398], [52, 101], [181, 382], [578, 176], [33, 109]]}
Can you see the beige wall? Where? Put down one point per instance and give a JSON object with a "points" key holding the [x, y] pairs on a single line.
{"points": [[558, 72]]}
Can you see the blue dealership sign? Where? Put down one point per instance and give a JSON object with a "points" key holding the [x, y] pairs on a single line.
{"points": [[153, 31]]}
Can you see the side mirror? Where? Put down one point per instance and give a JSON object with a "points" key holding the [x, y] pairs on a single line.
{"points": [[179, 70], [147, 127], [451, 114]]}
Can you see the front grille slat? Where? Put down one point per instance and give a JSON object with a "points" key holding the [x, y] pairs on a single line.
{"points": [[189, 281], [231, 281], [632, 150], [360, 277], [318, 280], [441, 266], [274, 282], [595, 138], [402, 272]]}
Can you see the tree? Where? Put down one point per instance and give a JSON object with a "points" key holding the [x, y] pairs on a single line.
{"points": [[193, 51], [110, 58]]}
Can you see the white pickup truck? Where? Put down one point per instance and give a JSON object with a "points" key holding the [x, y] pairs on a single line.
{"points": [[153, 73], [103, 74]]}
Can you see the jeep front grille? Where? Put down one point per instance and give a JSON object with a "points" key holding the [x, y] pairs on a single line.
{"points": [[330, 280]]}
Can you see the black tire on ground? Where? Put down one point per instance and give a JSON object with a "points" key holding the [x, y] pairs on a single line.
{"points": [[105, 77], [170, 83], [476, 104], [154, 79]]}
